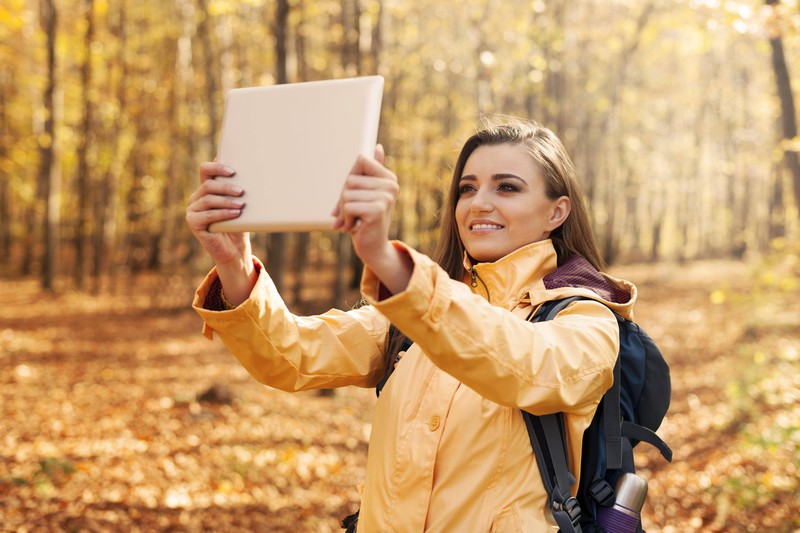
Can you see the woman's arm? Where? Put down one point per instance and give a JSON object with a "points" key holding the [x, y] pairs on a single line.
{"points": [[290, 352], [565, 364]]}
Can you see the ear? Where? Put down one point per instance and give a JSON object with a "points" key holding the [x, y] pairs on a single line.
{"points": [[559, 213]]}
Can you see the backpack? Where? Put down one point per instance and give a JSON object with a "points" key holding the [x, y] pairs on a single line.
{"points": [[629, 412]]}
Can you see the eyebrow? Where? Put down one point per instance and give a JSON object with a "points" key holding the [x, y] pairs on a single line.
{"points": [[495, 177]]}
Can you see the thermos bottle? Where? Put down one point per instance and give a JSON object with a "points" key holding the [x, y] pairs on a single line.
{"points": [[623, 516]]}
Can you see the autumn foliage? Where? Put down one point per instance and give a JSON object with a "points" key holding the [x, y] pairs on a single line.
{"points": [[119, 416]]}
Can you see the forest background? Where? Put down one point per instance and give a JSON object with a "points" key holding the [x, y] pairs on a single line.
{"points": [[679, 114]]}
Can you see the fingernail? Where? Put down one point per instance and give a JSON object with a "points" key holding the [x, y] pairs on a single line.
{"points": [[228, 169], [237, 190]]}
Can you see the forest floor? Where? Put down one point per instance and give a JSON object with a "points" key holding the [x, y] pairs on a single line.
{"points": [[106, 427]]}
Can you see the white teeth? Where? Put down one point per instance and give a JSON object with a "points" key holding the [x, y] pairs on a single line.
{"points": [[486, 226]]}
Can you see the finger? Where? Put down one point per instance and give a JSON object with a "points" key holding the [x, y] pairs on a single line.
{"points": [[367, 166], [198, 221], [380, 154], [371, 183], [382, 197], [201, 201], [213, 201], [348, 216], [337, 215], [216, 187], [366, 213], [212, 169]]}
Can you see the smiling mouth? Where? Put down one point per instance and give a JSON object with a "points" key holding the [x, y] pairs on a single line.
{"points": [[485, 226]]}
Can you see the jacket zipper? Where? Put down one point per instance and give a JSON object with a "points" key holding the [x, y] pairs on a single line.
{"points": [[475, 279]]}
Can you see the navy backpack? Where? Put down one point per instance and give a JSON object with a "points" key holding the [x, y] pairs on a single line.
{"points": [[630, 412]]}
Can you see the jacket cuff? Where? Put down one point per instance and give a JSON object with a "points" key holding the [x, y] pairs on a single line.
{"points": [[208, 297], [426, 298]]}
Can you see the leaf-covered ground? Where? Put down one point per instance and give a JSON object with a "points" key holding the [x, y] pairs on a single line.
{"points": [[117, 415]]}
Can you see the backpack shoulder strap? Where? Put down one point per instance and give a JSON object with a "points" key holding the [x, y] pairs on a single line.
{"points": [[549, 441], [612, 421]]}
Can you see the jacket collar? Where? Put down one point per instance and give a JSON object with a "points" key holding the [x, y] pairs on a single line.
{"points": [[534, 269], [506, 281]]}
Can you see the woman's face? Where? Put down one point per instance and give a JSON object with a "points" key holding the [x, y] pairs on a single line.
{"points": [[502, 204]]}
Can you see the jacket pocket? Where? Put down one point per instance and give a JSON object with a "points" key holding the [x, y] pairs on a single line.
{"points": [[507, 521]]}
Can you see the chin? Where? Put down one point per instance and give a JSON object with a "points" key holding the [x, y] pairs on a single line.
{"points": [[484, 256]]}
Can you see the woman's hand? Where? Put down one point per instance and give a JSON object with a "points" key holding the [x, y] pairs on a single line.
{"points": [[216, 200], [365, 211]]}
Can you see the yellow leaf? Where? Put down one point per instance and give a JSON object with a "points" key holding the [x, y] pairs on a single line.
{"points": [[718, 297]]}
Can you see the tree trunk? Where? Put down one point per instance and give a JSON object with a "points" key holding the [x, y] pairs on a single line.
{"points": [[49, 179], [167, 238], [83, 189], [5, 199], [351, 37], [277, 241], [106, 202], [303, 240], [376, 42], [788, 113], [185, 74], [776, 223], [204, 31]]}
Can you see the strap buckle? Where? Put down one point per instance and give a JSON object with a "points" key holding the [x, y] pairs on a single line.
{"points": [[602, 493], [571, 508]]}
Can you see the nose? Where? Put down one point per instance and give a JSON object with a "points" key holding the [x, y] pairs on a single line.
{"points": [[481, 201]]}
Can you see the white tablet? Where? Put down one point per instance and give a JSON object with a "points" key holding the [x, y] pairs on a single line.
{"points": [[292, 147]]}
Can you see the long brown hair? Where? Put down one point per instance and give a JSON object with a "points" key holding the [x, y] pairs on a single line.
{"points": [[573, 237]]}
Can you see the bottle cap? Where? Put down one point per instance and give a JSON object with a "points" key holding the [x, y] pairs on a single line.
{"points": [[631, 492]]}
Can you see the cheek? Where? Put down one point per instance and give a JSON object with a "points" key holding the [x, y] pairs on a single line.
{"points": [[534, 225], [525, 222], [462, 209]]}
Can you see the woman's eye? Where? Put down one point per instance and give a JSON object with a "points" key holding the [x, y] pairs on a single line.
{"points": [[508, 187], [465, 189]]}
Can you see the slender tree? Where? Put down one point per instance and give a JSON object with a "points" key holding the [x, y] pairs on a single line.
{"points": [[5, 193], [83, 171], [106, 201], [786, 96], [49, 177], [277, 241]]}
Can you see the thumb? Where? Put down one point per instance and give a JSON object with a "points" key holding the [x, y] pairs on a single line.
{"points": [[380, 155]]}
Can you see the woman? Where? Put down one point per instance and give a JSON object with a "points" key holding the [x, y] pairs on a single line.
{"points": [[449, 450]]}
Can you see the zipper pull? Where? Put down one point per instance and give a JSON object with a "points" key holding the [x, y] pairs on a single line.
{"points": [[474, 276]]}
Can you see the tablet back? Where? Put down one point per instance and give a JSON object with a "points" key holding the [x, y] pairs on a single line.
{"points": [[292, 147]]}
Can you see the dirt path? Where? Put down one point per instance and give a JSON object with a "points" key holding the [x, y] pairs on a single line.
{"points": [[103, 428]]}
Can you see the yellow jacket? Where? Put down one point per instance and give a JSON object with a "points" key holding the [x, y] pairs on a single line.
{"points": [[449, 451]]}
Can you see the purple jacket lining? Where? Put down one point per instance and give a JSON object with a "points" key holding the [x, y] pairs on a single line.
{"points": [[578, 272]]}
